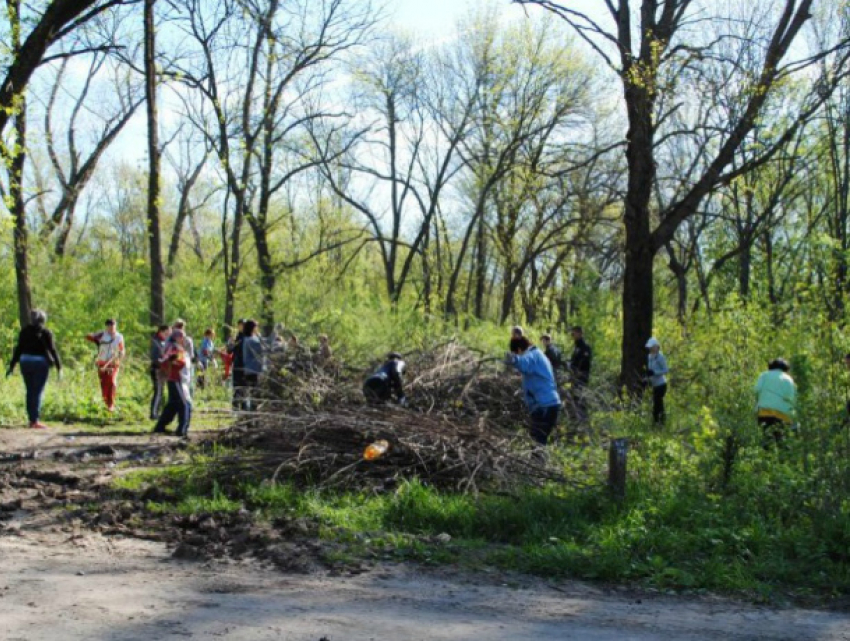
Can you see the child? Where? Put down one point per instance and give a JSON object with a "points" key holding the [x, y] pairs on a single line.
{"points": [[206, 355]]}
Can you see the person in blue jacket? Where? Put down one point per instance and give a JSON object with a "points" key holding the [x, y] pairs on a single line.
{"points": [[386, 381], [538, 386]]}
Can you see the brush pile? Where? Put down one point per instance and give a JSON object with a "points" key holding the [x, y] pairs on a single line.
{"points": [[463, 429]]}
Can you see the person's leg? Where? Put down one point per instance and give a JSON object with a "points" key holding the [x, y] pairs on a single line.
{"points": [[170, 410], [105, 383], [156, 399], [113, 386], [184, 410], [35, 373], [376, 390], [658, 394], [543, 421], [238, 390], [42, 374]]}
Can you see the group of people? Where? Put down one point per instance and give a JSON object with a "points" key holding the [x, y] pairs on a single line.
{"points": [[541, 379], [173, 361]]}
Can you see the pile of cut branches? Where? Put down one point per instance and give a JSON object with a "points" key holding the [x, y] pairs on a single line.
{"points": [[449, 379], [325, 449], [463, 429]]}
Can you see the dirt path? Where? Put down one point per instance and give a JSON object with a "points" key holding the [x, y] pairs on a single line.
{"points": [[62, 582]]}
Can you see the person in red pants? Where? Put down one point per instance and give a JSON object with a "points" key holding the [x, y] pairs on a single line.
{"points": [[110, 352]]}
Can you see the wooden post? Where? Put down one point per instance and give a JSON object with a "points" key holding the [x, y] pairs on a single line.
{"points": [[617, 451]]}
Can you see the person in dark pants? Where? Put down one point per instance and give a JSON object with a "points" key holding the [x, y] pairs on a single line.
{"points": [[237, 371], [656, 371], [157, 374], [252, 365], [539, 388], [176, 364], [35, 352], [776, 401], [380, 386], [579, 365]]}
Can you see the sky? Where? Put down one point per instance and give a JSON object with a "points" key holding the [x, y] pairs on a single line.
{"points": [[437, 18]]}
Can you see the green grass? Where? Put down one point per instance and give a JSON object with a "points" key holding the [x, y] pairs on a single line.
{"points": [[74, 399], [764, 538]]}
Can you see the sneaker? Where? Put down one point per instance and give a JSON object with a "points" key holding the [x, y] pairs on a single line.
{"points": [[38, 426]]}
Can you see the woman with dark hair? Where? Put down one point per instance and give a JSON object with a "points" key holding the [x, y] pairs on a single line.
{"points": [[776, 401], [538, 386], [35, 352]]}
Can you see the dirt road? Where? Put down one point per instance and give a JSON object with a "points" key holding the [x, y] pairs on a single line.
{"points": [[58, 582]]}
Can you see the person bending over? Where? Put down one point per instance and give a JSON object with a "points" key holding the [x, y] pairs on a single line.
{"points": [[386, 382]]}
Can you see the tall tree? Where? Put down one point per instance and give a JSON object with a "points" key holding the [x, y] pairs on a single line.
{"points": [[649, 57], [15, 159], [157, 301]]}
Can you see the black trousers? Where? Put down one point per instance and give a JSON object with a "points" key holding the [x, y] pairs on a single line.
{"points": [[658, 394], [158, 388], [773, 430], [376, 389], [543, 421], [178, 406]]}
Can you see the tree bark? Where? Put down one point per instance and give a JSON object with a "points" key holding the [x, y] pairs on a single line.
{"points": [[16, 179], [157, 303]]}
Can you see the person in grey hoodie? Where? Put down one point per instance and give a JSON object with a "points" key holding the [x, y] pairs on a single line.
{"points": [[252, 364], [656, 371]]}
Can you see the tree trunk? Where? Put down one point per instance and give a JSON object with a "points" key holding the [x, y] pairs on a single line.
{"points": [[16, 179], [157, 305], [19, 215], [745, 270], [638, 283]]}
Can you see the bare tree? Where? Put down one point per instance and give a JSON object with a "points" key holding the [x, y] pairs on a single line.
{"points": [[668, 38], [73, 165]]}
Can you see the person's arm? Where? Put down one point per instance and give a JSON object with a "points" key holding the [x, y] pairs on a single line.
{"points": [[94, 337], [660, 366], [50, 345], [522, 362], [121, 348]]}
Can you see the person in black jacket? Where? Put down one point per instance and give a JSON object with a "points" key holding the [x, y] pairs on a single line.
{"points": [[580, 362], [35, 352], [385, 382]]}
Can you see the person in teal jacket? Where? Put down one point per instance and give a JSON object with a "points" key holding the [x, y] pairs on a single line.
{"points": [[538, 386], [776, 400]]}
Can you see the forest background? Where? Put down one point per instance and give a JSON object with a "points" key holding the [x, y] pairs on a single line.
{"points": [[678, 168]]}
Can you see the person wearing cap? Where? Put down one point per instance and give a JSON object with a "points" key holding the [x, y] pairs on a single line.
{"points": [[35, 352], [656, 372], [175, 363], [538, 386], [110, 352], [386, 381], [776, 401]]}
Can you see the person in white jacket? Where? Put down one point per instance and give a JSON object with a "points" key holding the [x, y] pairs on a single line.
{"points": [[656, 373]]}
